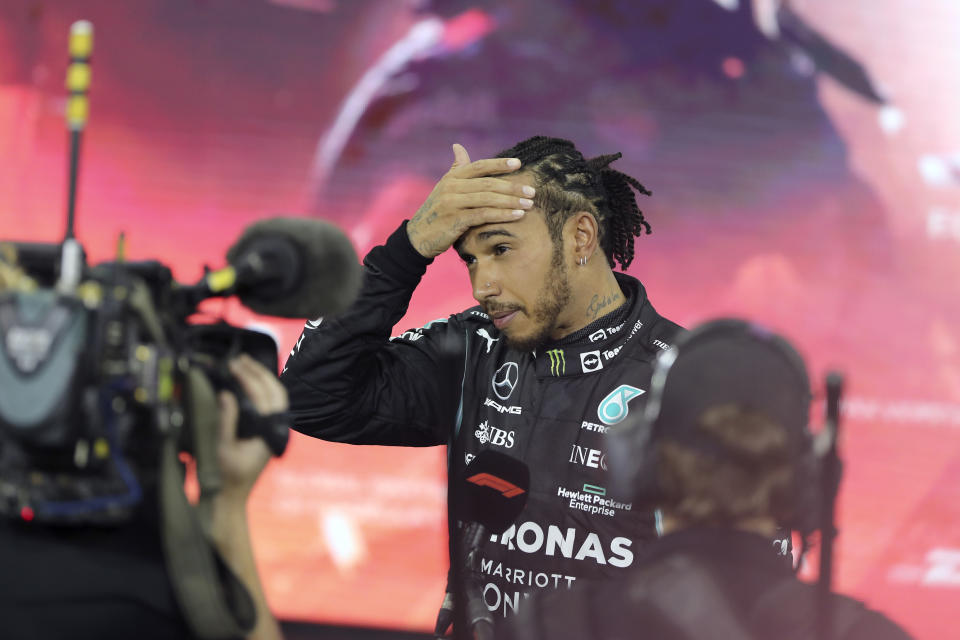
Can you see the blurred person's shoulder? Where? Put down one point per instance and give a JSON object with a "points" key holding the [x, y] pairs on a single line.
{"points": [[623, 609], [792, 606], [600, 610], [741, 589], [876, 626]]}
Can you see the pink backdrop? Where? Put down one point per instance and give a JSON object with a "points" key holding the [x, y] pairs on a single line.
{"points": [[780, 195]]}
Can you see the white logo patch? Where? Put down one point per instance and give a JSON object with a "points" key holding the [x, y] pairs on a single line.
{"points": [[502, 409], [505, 379], [590, 361], [486, 336], [488, 433]]}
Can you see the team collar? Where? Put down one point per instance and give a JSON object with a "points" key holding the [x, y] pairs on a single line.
{"points": [[594, 347]]}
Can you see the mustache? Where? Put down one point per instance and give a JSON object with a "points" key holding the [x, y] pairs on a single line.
{"points": [[493, 308]]}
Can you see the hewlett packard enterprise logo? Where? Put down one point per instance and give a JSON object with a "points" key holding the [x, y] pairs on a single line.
{"points": [[592, 499]]}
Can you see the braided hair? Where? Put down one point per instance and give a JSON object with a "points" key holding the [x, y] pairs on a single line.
{"points": [[568, 183]]}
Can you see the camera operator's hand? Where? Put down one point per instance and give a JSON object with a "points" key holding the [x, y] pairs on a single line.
{"points": [[468, 195], [241, 462]]}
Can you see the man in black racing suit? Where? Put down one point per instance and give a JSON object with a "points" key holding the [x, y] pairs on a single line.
{"points": [[559, 350]]}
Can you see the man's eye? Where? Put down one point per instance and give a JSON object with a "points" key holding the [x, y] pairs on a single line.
{"points": [[468, 260], [500, 249]]}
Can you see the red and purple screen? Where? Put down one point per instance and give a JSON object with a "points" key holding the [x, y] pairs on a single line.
{"points": [[805, 169]]}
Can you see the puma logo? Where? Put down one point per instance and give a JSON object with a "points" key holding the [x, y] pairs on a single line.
{"points": [[486, 336]]}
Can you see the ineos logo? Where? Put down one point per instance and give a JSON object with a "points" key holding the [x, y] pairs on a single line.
{"points": [[505, 379]]}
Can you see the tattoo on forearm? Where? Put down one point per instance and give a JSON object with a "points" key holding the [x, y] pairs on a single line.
{"points": [[422, 232], [433, 248], [426, 212], [597, 304]]}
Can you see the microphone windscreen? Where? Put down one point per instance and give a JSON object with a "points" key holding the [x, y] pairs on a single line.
{"points": [[323, 279], [493, 490]]}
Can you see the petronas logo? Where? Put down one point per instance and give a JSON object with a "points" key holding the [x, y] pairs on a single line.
{"points": [[558, 363], [613, 409]]}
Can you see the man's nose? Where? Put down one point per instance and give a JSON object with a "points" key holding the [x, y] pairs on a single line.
{"points": [[484, 286]]}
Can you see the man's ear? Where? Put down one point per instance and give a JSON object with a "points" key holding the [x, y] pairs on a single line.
{"points": [[585, 231]]}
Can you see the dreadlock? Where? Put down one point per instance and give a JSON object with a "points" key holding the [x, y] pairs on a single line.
{"points": [[568, 183]]}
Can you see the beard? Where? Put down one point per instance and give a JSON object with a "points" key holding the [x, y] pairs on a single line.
{"points": [[550, 301]]}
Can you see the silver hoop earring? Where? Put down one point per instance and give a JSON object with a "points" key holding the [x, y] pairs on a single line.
{"points": [[582, 261]]}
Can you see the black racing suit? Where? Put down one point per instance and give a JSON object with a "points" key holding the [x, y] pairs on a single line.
{"points": [[457, 378]]}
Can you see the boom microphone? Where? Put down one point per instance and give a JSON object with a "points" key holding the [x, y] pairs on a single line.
{"points": [[829, 485], [291, 268], [490, 496], [493, 491]]}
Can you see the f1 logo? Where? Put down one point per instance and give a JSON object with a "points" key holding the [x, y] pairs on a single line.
{"points": [[508, 489]]}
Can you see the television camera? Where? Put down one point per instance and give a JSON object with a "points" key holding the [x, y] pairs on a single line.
{"points": [[106, 380]]}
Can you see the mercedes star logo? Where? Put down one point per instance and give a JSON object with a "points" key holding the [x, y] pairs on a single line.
{"points": [[505, 379]]}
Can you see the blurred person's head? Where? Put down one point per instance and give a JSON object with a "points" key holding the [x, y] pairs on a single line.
{"points": [[749, 484], [724, 440], [549, 273]]}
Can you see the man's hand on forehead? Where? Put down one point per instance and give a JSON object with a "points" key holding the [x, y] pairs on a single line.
{"points": [[470, 194]]}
